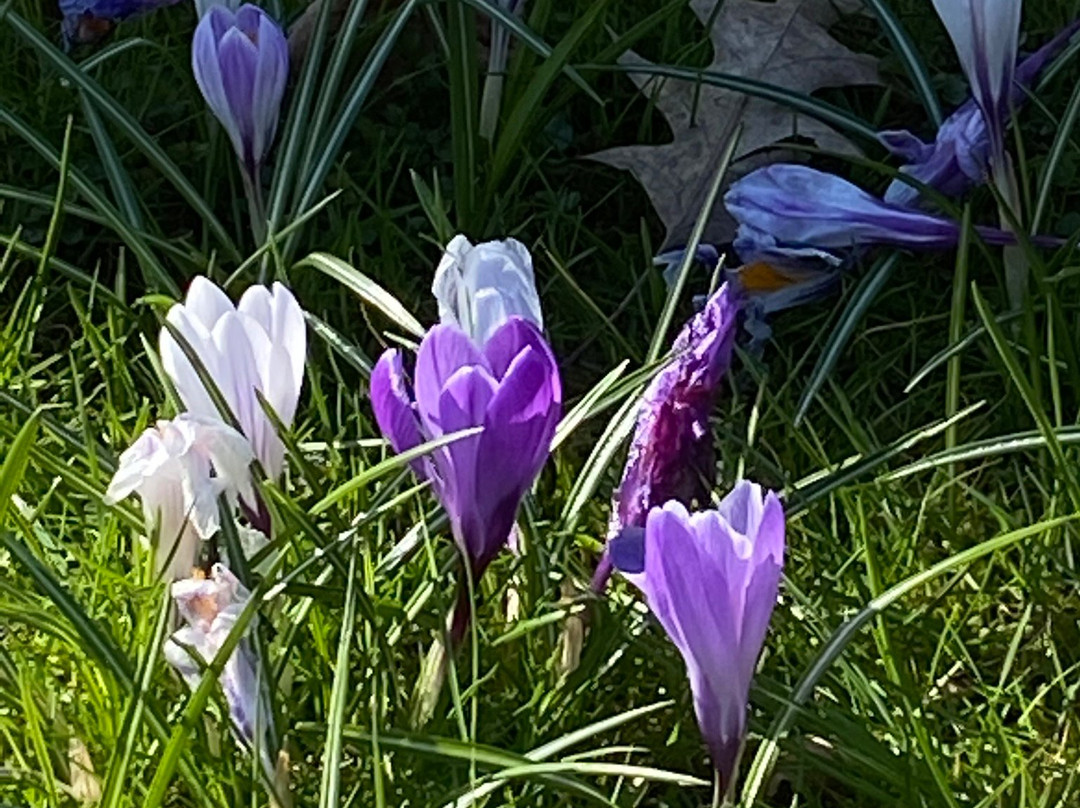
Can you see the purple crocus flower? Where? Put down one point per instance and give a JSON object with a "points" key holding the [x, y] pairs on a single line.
{"points": [[790, 209], [241, 64], [958, 158], [671, 453], [88, 20], [985, 34], [711, 578], [510, 386]]}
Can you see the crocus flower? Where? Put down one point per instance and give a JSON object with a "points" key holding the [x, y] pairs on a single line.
{"points": [[985, 34], [210, 608], [241, 64], [479, 286], [797, 210], [258, 344], [959, 156], [510, 386], [88, 20], [711, 578], [179, 468]]}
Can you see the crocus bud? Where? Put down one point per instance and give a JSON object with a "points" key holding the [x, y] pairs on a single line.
{"points": [[711, 578], [241, 64], [210, 608], [258, 344], [179, 468], [480, 287], [510, 386]]}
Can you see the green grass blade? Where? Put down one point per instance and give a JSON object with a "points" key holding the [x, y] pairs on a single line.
{"points": [[330, 792], [1027, 392], [127, 124], [799, 102], [366, 289], [769, 750], [861, 299], [909, 55], [519, 120]]}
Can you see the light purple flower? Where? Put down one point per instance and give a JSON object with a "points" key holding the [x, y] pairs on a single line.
{"points": [[959, 156], [241, 64], [179, 468], [711, 578], [985, 34], [210, 608], [790, 209], [259, 344], [510, 386]]}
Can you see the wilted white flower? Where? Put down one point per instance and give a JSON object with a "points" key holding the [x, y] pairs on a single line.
{"points": [[210, 608], [479, 287], [258, 344], [179, 468]]}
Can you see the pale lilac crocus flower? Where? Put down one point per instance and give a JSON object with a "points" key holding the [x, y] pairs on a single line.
{"points": [[256, 345], [179, 469], [711, 579], [210, 608], [241, 64], [671, 452], [958, 158], [795, 210]]}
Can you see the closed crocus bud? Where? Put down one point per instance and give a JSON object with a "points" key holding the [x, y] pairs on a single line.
{"points": [[241, 64], [178, 469], [671, 453], [210, 608], [257, 345], [479, 287], [509, 386], [711, 579]]}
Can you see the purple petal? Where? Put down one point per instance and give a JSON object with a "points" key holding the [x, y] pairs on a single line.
{"points": [[393, 406], [443, 351]]}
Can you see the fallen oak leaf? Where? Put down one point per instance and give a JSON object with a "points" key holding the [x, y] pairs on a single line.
{"points": [[785, 43]]}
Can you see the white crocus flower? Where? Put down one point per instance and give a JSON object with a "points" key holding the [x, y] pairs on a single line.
{"points": [[258, 344], [179, 468], [479, 287], [210, 608]]}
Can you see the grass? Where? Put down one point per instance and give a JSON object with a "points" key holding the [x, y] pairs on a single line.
{"points": [[924, 652]]}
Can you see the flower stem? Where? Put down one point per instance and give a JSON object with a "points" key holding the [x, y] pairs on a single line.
{"points": [[256, 210]]}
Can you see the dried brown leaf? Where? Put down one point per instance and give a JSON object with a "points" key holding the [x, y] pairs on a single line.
{"points": [[785, 43]]}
